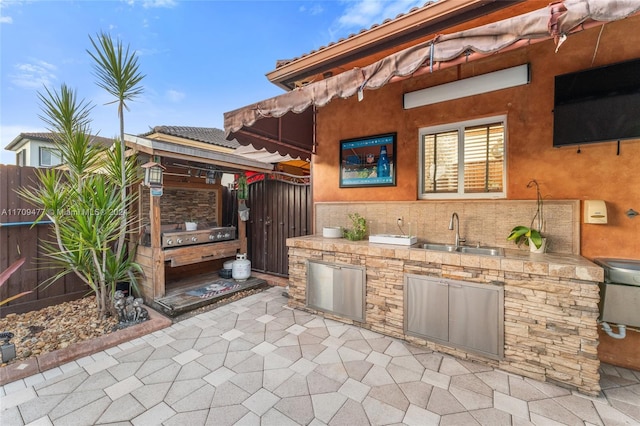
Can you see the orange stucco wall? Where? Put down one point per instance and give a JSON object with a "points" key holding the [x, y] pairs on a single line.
{"points": [[596, 173]]}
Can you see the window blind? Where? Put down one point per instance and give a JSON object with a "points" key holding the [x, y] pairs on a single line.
{"points": [[467, 160], [441, 162], [483, 158]]}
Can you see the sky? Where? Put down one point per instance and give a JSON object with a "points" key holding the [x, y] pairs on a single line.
{"points": [[200, 58]]}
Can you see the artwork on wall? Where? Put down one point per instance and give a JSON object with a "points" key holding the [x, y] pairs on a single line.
{"points": [[368, 161]]}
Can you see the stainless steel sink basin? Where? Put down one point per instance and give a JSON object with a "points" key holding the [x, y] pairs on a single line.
{"points": [[439, 247], [622, 271], [486, 251]]}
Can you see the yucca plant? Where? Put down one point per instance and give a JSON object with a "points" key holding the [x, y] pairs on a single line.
{"points": [[117, 70], [89, 203]]}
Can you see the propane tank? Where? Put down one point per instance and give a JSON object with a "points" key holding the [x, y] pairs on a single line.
{"points": [[241, 268]]}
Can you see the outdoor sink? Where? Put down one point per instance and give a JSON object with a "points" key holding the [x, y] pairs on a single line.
{"points": [[486, 251], [621, 271], [439, 247]]}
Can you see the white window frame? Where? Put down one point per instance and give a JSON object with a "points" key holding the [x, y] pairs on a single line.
{"points": [[55, 155], [459, 127]]}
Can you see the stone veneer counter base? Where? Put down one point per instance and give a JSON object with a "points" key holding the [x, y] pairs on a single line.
{"points": [[550, 301]]}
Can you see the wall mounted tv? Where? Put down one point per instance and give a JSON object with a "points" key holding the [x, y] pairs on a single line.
{"points": [[597, 105]]}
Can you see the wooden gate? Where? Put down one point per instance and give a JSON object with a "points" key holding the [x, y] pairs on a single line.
{"points": [[280, 208]]}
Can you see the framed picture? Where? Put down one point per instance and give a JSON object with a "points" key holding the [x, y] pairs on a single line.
{"points": [[368, 161]]}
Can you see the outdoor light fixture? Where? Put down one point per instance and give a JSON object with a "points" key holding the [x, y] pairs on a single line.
{"points": [[484, 83], [7, 350], [211, 177], [153, 174]]}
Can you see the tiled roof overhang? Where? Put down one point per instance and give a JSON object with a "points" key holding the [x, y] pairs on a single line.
{"points": [[247, 124], [50, 137], [169, 149], [208, 135]]}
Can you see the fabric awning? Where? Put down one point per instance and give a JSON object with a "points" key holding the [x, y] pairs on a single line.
{"points": [[251, 152], [555, 21], [288, 135]]}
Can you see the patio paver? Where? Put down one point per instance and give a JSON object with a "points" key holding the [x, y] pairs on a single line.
{"points": [[257, 361]]}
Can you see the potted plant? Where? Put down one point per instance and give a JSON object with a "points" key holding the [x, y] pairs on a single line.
{"points": [[528, 236], [531, 235], [359, 229], [190, 224]]}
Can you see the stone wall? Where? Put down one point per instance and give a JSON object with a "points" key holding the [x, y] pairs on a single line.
{"points": [[551, 303], [178, 205]]}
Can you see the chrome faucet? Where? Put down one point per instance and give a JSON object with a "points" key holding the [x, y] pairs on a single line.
{"points": [[457, 227]]}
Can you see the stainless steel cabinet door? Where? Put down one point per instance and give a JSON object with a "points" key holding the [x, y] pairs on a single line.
{"points": [[474, 318], [338, 289], [348, 292], [457, 313], [427, 307], [320, 286]]}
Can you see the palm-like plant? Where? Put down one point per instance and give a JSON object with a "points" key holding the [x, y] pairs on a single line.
{"points": [[89, 204], [117, 70]]}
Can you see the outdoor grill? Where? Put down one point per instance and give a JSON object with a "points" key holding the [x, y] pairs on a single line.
{"points": [[174, 235]]}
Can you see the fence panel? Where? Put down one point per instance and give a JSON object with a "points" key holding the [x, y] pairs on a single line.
{"points": [[19, 238]]}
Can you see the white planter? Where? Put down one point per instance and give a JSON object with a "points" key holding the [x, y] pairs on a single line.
{"points": [[332, 232], [404, 240], [190, 226], [533, 249]]}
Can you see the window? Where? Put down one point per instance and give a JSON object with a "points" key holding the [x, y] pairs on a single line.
{"points": [[21, 158], [49, 157], [463, 160]]}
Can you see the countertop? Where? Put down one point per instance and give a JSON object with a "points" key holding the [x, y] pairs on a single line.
{"points": [[568, 266]]}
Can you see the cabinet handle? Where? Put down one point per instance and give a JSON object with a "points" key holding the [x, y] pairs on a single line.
{"points": [[455, 285]]}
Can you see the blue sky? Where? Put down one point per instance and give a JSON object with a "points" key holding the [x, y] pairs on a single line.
{"points": [[201, 58]]}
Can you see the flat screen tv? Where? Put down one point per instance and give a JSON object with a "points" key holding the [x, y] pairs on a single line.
{"points": [[597, 105]]}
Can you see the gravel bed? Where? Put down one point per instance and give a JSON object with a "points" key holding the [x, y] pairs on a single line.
{"points": [[58, 326], [55, 327]]}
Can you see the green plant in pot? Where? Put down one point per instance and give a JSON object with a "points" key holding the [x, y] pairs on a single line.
{"points": [[528, 235], [359, 229], [524, 234]]}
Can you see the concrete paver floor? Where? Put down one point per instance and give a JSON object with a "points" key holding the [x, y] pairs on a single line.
{"points": [[257, 362]]}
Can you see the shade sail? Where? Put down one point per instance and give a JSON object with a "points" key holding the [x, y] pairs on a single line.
{"points": [[557, 19]]}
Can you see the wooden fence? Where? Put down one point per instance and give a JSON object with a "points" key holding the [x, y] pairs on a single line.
{"points": [[19, 238]]}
